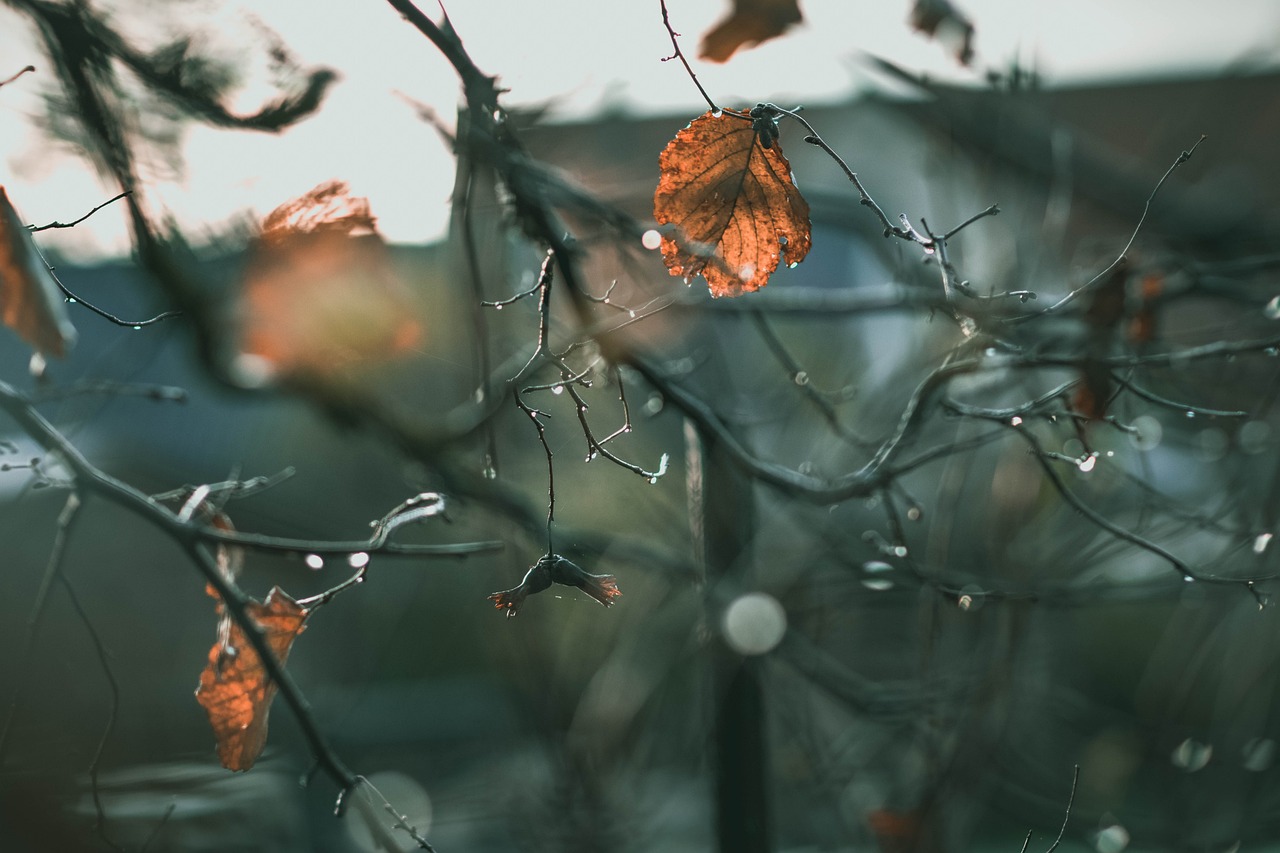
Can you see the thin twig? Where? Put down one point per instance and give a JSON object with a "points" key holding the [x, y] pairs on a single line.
{"points": [[679, 54], [1066, 818], [34, 229], [104, 661], [53, 568], [30, 69], [1124, 253]]}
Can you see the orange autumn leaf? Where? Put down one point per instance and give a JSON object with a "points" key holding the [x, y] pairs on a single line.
{"points": [[31, 303], [748, 24], [321, 297], [234, 687], [726, 184]]}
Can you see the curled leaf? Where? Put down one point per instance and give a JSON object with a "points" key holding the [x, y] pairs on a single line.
{"points": [[727, 186], [750, 23], [31, 303], [321, 298], [556, 569], [235, 689]]}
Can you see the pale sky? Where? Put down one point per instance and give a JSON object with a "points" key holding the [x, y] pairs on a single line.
{"points": [[581, 56]]}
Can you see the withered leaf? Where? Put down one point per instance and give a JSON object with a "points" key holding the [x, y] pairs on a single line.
{"points": [[556, 569], [31, 303], [234, 687], [734, 201], [321, 298], [749, 23], [941, 20]]}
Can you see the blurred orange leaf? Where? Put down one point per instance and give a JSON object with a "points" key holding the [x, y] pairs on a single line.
{"points": [[726, 184], [234, 688], [31, 303], [321, 296], [750, 22]]}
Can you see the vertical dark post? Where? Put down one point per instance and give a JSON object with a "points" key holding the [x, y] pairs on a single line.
{"points": [[723, 508]]}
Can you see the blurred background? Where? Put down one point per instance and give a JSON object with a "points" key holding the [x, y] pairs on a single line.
{"points": [[925, 665]]}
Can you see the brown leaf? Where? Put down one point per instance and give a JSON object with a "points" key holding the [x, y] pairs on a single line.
{"points": [[726, 184], [940, 19], [554, 568], [750, 23], [234, 687], [31, 303], [1142, 326], [321, 298]]}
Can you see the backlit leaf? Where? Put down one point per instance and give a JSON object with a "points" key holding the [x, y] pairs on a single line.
{"points": [[234, 687], [726, 184], [321, 298], [31, 303], [750, 22]]}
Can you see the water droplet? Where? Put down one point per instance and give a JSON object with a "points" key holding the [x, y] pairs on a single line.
{"points": [[900, 550], [479, 395], [71, 300], [1260, 544], [971, 597], [591, 456], [801, 378], [875, 580], [490, 473], [1191, 755], [754, 623], [1087, 464], [653, 480], [358, 560], [1015, 421], [136, 328], [716, 113], [631, 314], [1188, 579], [654, 404], [914, 513], [1259, 754], [1255, 436], [1191, 414], [651, 239], [793, 265], [559, 389], [314, 561], [1272, 310], [1111, 839], [1148, 433], [498, 307], [1272, 351]]}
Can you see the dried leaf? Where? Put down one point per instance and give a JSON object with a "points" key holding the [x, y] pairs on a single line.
{"points": [[321, 298], [941, 20], [726, 184], [556, 569], [750, 23], [31, 303], [234, 688]]}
